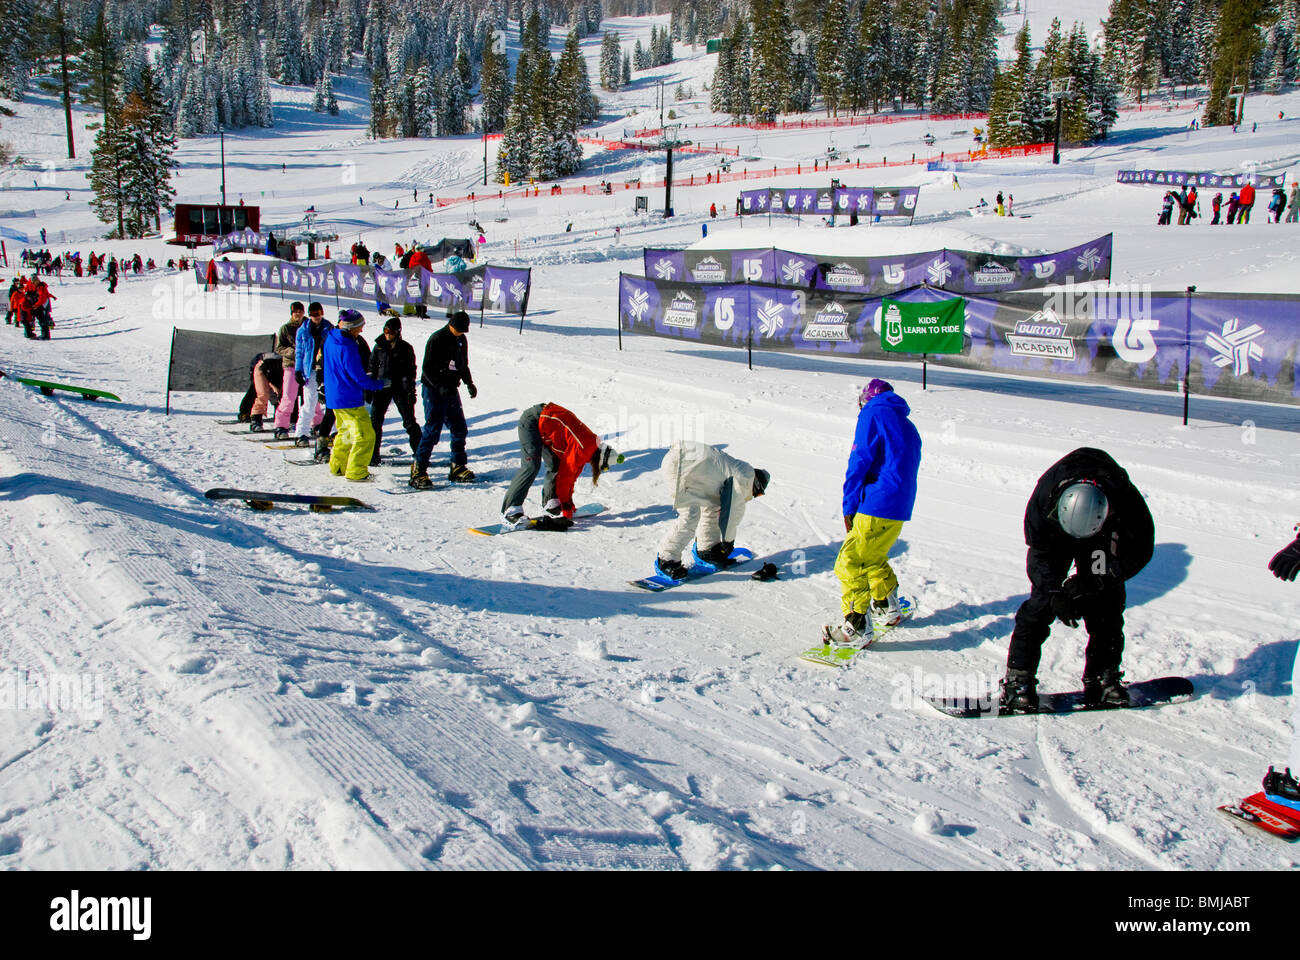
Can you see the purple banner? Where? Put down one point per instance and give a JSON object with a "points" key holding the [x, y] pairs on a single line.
{"points": [[506, 288], [1201, 178]]}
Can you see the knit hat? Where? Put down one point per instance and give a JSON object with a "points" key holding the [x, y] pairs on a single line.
{"points": [[761, 479], [458, 321], [350, 320], [393, 323], [874, 389], [607, 455]]}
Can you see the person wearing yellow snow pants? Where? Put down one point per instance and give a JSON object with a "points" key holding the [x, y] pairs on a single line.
{"points": [[879, 493], [353, 445], [863, 563], [346, 382]]}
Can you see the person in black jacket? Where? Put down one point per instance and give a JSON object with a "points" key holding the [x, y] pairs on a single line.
{"points": [[445, 368], [393, 359], [1085, 513]]}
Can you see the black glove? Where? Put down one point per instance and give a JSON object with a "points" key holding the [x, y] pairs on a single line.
{"points": [[1286, 562], [473, 390], [300, 377], [1081, 587], [1065, 609]]}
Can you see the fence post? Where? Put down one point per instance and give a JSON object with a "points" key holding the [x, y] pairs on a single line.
{"points": [[1187, 355]]}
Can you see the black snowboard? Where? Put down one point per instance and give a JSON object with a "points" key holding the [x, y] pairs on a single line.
{"points": [[1146, 693], [265, 501]]}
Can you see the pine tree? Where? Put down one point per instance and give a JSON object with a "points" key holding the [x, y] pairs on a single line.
{"points": [[1238, 41], [875, 41], [627, 69], [770, 76], [568, 99], [16, 48], [495, 88], [54, 32], [611, 67], [146, 128], [109, 158], [831, 75]]}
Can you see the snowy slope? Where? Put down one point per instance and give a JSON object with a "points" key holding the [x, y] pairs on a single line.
{"points": [[285, 689]]}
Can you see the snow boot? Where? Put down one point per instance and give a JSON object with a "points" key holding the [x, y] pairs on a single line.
{"points": [[888, 612], [1105, 690], [1019, 693], [460, 473], [672, 569], [282, 433], [1282, 789], [719, 554], [322, 453], [854, 633], [255, 423], [514, 517], [419, 478]]}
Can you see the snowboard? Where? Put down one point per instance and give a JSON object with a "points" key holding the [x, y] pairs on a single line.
{"points": [[1258, 811], [248, 434], [47, 389], [554, 524], [831, 656], [265, 501], [229, 423], [701, 568], [307, 463], [1145, 693]]}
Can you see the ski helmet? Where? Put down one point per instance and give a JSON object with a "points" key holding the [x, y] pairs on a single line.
{"points": [[872, 390], [1082, 509]]}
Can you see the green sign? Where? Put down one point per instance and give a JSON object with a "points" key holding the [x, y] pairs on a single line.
{"points": [[938, 327]]}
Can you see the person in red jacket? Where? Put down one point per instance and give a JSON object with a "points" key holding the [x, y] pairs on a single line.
{"points": [[42, 310], [1247, 201], [549, 432], [420, 259]]}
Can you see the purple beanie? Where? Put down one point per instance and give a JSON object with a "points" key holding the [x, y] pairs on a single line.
{"points": [[874, 389]]}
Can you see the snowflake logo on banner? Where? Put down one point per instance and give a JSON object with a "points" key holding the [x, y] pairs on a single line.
{"points": [[864, 201], [1235, 347], [793, 272], [664, 269], [762, 200], [637, 304], [1089, 259], [517, 290], [353, 280], [771, 317], [807, 201], [939, 272]]}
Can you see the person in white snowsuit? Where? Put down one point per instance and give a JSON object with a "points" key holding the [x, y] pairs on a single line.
{"points": [[710, 490]]}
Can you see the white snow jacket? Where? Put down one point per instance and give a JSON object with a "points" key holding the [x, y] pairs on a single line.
{"points": [[709, 488]]}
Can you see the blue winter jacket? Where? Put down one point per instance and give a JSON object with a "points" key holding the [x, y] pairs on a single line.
{"points": [[345, 377], [881, 477], [304, 345]]}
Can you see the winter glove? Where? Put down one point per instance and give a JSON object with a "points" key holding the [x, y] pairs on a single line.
{"points": [[1286, 562], [300, 377], [1080, 587], [1064, 609], [473, 390]]}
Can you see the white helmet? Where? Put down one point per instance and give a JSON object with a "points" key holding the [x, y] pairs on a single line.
{"points": [[1082, 509]]}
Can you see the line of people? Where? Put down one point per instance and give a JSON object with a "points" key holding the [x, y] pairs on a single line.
{"points": [[29, 306]]}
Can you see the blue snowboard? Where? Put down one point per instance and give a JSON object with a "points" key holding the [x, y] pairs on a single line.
{"points": [[701, 568]]}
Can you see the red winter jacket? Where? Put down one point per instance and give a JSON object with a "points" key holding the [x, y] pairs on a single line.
{"points": [[573, 442], [1247, 195], [420, 259]]}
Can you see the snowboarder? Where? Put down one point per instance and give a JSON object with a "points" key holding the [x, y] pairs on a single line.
{"points": [[549, 432], [1293, 201], [15, 301], [393, 359], [1184, 209], [709, 489], [445, 368], [713, 211], [879, 493], [41, 309], [285, 341], [112, 275], [345, 384], [999, 205], [1215, 204], [1085, 512], [308, 368], [1234, 201]]}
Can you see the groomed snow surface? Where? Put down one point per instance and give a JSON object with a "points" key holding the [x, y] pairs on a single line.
{"points": [[240, 689]]}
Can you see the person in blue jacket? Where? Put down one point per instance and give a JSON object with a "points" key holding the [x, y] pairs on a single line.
{"points": [[879, 492], [346, 381]]}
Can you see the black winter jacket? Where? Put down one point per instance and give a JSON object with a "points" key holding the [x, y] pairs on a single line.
{"points": [[1119, 550], [446, 361]]}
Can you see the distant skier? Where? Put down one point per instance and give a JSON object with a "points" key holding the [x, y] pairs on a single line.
{"points": [[878, 496], [1085, 512], [112, 275], [1277, 205], [1001, 209], [445, 368], [709, 490], [1293, 201], [1234, 202], [346, 381], [1247, 202], [548, 432], [1215, 204]]}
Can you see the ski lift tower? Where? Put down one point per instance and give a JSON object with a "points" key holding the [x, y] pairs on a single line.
{"points": [[669, 142], [1058, 91]]}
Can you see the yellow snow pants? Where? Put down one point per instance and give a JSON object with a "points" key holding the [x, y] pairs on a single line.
{"points": [[863, 564], [353, 445]]}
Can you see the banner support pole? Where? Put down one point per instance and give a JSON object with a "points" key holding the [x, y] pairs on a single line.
{"points": [[749, 345], [171, 356], [1187, 356], [924, 357]]}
